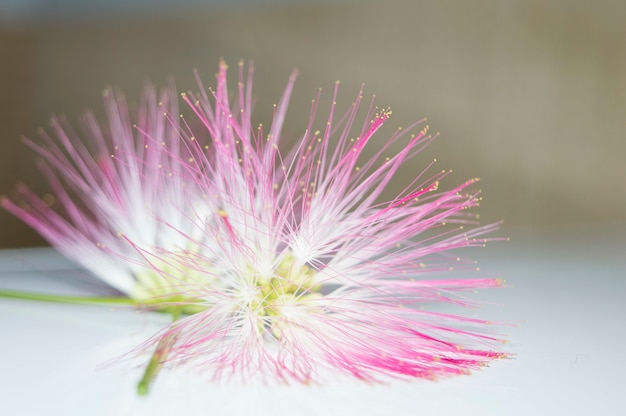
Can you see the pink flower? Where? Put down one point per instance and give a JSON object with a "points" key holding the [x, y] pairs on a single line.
{"points": [[117, 184], [284, 265], [310, 271]]}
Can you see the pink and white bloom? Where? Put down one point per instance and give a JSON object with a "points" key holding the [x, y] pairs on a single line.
{"points": [[311, 272], [112, 186], [286, 264]]}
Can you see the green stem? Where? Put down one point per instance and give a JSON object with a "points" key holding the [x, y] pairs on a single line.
{"points": [[158, 357], [84, 300], [187, 309]]}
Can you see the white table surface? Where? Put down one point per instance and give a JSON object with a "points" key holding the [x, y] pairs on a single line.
{"points": [[566, 289]]}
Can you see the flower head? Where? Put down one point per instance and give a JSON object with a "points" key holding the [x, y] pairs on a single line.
{"points": [[113, 191], [286, 263], [310, 270]]}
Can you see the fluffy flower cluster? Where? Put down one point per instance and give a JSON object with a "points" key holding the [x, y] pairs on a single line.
{"points": [[281, 264]]}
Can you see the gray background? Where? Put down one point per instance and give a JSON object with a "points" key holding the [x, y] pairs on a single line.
{"points": [[528, 95]]}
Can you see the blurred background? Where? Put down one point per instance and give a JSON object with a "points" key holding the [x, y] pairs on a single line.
{"points": [[528, 95]]}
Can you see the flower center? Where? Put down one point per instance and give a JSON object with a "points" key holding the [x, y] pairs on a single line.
{"points": [[278, 297]]}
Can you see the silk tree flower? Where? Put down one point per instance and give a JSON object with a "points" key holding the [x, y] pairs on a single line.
{"points": [[110, 188], [286, 265], [312, 275]]}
